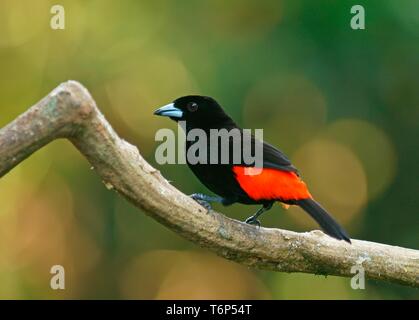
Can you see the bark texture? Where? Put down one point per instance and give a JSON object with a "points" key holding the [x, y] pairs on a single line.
{"points": [[70, 112]]}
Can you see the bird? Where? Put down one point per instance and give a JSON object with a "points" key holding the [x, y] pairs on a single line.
{"points": [[277, 180]]}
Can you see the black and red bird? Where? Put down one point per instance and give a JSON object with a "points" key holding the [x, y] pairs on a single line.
{"points": [[277, 180]]}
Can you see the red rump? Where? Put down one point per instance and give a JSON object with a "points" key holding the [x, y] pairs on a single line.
{"points": [[271, 184]]}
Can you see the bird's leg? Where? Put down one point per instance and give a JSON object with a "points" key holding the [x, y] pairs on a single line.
{"points": [[205, 200], [254, 219]]}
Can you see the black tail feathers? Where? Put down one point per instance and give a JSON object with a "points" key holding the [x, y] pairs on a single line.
{"points": [[326, 222]]}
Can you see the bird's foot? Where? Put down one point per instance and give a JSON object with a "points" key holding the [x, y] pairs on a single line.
{"points": [[205, 204], [253, 221], [198, 197]]}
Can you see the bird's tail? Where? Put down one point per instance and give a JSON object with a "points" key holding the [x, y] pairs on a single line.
{"points": [[326, 222]]}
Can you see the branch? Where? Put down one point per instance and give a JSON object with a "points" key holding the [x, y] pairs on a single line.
{"points": [[70, 112]]}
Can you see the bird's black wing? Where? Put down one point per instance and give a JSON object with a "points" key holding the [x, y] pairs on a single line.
{"points": [[276, 159], [272, 157]]}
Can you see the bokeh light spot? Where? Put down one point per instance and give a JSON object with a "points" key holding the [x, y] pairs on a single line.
{"points": [[290, 109], [21, 21], [189, 275], [335, 177], [372, 147], [137, 92]]}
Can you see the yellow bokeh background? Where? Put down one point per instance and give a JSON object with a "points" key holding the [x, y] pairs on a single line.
{"points": [[342, 104]]}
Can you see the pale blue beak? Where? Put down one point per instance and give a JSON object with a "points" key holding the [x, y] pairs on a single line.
{"points": [[169, 110]]}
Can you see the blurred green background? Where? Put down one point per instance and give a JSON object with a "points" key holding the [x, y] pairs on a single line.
{"points": [[343, 104]]}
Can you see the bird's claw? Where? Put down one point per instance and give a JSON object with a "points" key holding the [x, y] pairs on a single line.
{"points": [[205, 204], [253, 221]]}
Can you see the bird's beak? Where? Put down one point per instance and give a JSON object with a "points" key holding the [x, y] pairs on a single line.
{"points": [[169, 110]]}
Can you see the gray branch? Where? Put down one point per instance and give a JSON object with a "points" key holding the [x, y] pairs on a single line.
{"points": [[70, 112]]}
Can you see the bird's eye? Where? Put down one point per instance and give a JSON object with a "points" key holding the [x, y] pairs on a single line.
{"points": [[192, 106]]}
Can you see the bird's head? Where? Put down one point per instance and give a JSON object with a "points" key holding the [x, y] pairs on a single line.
{"points": [[198, 111]]}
